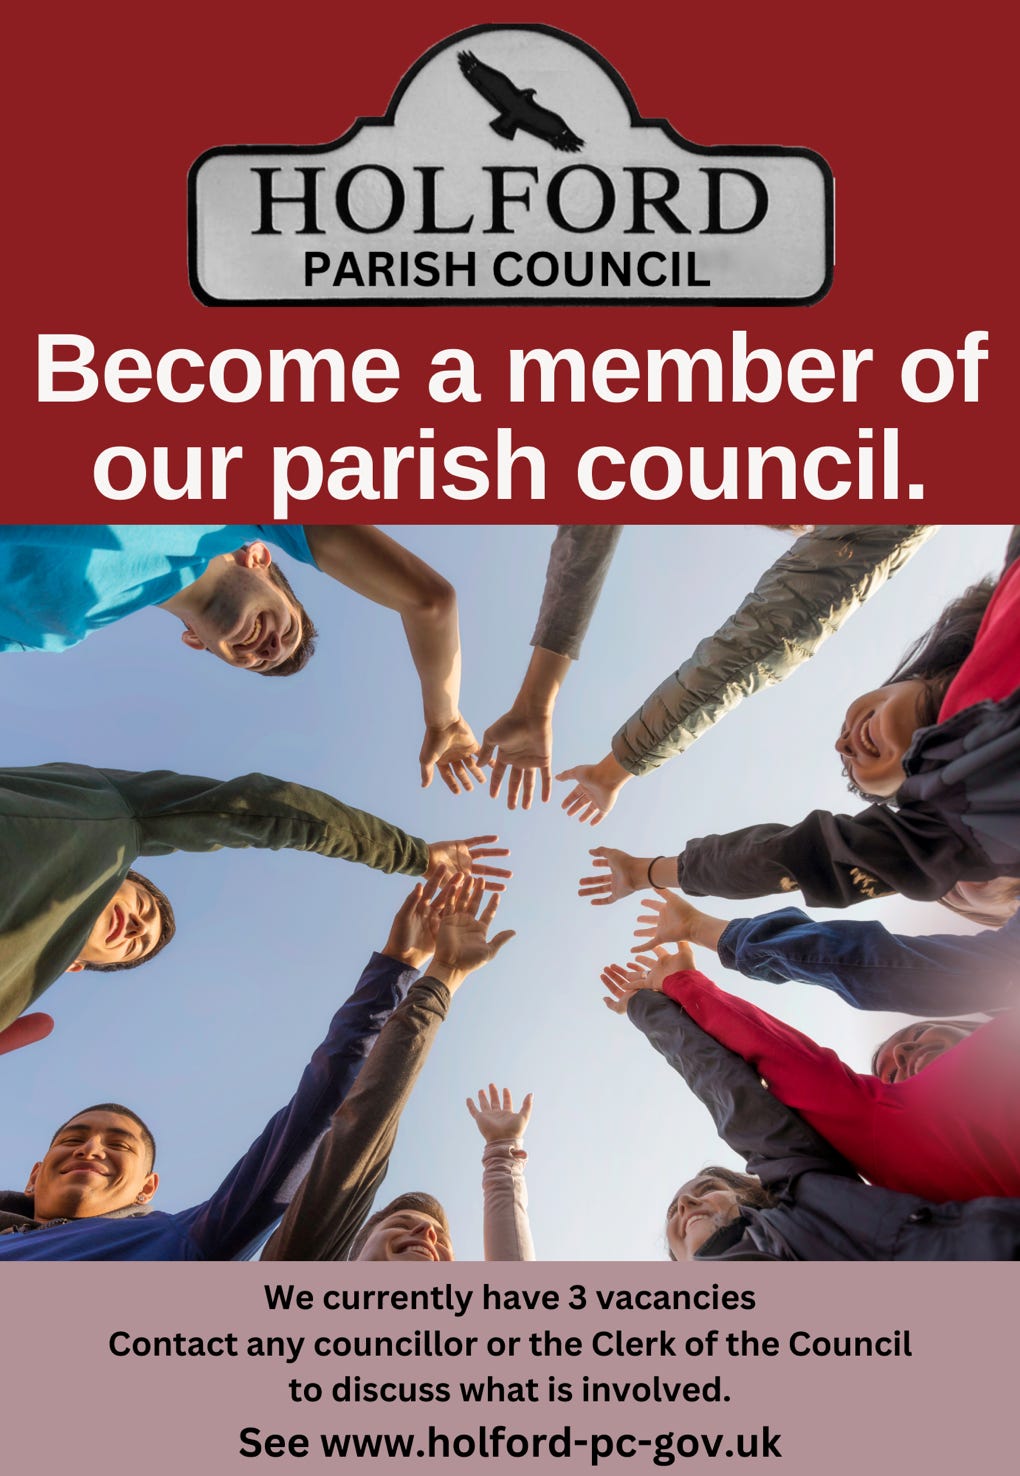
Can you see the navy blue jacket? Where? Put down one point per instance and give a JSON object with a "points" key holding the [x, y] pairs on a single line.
{"points": [[259, 1186], [873, 969]]}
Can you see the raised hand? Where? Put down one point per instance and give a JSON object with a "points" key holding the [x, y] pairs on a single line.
{"points": [[497, 1121], [595, 789], [620, 874], [521, 742], [659, 965], [622, 981], [452, 749], [672, 919], [416, 921], [467, 857], [462, 942]]}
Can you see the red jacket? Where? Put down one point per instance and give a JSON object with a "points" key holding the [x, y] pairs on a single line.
{"points": [[950, 1133]]}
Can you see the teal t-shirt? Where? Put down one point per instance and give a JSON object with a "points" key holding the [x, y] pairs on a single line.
{"points": [[60, 583]]}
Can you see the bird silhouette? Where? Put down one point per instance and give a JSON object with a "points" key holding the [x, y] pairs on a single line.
{"points": [[517, 106]]}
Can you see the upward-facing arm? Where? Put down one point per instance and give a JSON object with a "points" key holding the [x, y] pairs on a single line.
{"points": [[801, 1073], [776, 1143], [796, 605], [186, 812], [799, 601], [372, 564], [873, 969], [521, 740], [352, 1158], [263, 1182]]}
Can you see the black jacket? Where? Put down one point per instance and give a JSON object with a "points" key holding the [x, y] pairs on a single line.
{"points": [[824, 1212]]}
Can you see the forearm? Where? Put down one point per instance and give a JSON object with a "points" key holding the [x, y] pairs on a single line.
{"points": [[433, 638], [775, 1141], [873, 969], [798, 1071], [265, 1179], [507, 1231], [578, 563], [543, 679], [351, 1161], [835, 860], [180, 812], [796, 605]]}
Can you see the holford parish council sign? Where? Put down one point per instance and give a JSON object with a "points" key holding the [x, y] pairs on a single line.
{"points": [[511, 166]]}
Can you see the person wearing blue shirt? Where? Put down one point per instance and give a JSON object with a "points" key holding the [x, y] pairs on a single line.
{"points": [[58, 584], [89, 1197]]}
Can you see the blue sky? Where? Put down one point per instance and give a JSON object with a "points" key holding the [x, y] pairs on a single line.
{"points": [[209, 1040]]}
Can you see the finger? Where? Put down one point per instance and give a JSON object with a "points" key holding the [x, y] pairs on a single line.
{"points": [[490, 871], [472, 1108], [487, 749], [529, 788], [426, 775], [480, 840], [513, 789], [566, 774], [487, 1102], [475, 768], [526, 1107], [508, 1101], [460, 768], [432, 885], [575, 802], [448, 778], [472, 897], [490, 910], [477, 851], [498, 770], [546, 784], [500, 939]]}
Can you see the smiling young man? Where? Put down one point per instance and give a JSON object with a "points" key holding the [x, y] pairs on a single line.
{"points": [[59, 584], [89, 1196]]}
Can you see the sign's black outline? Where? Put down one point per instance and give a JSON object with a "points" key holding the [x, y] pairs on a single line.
{"points": [[636, 121]]}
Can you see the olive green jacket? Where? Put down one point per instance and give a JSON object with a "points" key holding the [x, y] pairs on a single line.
{"points": [[69, 834], [797, 604]]}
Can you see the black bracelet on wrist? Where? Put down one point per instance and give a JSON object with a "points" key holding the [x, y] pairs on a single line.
{"points": [[650, 865]]}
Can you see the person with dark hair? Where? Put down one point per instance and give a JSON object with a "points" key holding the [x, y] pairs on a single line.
{"points": [[88, 1198], [820, 1209], [136, 924], [940, 1119], [956, 817], [59, 583], [800, 600], [327, 1213], [705, 1204], [879, 726], [865, 964], [69, 835]]}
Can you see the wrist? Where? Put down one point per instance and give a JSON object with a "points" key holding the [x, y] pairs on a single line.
{"points": [[609, 771], [542, 682], [706, 931], [412, 958], [661, 871], [452, 975], [441, 716]]}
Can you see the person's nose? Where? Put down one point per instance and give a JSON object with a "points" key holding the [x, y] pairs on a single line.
{"points": [[91, 1148], [902, 1055], [133, 924], [843, 745]]}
